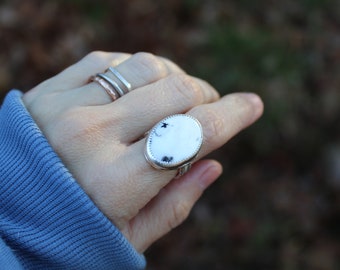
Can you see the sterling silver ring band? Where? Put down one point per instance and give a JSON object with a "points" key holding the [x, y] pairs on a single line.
{"points": [[107, 86], [124, 82], [113, 83]]}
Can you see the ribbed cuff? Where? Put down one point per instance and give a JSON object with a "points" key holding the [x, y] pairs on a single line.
{"points": [[45, 217]]}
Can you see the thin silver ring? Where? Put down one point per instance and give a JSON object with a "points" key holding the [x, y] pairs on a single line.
{"points": [[124, 82], [113, 83]]}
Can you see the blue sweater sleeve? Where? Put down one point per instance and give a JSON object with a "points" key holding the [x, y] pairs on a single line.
{"points": [[46, 219]]}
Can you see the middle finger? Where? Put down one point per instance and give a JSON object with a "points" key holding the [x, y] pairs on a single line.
{"points": [[140, 110]]}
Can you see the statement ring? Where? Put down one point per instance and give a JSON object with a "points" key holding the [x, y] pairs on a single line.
{"points": [[173, 143]]}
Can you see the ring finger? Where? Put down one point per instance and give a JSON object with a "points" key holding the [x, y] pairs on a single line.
{"points": [[139, 70]]}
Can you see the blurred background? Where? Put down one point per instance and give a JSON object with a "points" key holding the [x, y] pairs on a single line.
{"points": [[277, 204]]}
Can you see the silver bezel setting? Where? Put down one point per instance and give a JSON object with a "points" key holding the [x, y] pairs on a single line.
{"points": [[164, 165]]}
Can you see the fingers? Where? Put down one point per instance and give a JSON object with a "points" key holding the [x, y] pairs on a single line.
{"points": [[141, 109], [72, 86], [76, 75], [172, 205], [220, 121], [142, 69], [139, 70], [225, 118], [79, 73], [145, 68]]}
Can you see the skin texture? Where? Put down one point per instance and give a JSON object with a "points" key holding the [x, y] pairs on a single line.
{"points": [[101, 142]]}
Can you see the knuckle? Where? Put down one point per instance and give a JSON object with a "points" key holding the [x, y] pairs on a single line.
{"points": [[95, 55], [180, 212], [95, 58], [103, 59], [188, 88], [213, 127], [151, 63]]}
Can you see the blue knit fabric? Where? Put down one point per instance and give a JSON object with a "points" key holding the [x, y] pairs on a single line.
{"points": [[46, 219]]}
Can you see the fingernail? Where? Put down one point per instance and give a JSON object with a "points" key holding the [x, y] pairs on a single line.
{"points": [[256, 102]]}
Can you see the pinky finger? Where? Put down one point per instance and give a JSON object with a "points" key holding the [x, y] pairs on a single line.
{"points": [[172, 205]]}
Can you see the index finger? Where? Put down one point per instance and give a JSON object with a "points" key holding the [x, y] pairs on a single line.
{"points": [[226, 117]]}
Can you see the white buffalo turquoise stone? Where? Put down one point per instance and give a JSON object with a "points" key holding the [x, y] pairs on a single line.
{"points": [[173, 141]]}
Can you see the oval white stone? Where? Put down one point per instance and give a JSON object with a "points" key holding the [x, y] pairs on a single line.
{"points": [[174, 141]]}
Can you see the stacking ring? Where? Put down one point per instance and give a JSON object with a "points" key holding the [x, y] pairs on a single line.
{"points": [[124, 82], [107, 86], [173, 143], [114, 88]]}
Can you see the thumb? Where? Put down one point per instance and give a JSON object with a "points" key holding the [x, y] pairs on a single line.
{"points": [[172, 205]]}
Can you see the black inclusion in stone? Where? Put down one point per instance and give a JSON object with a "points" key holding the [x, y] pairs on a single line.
{"points": [[164, 125], [167, 159]]}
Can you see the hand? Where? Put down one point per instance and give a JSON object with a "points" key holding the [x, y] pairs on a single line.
{"points": [[101, 142]]}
